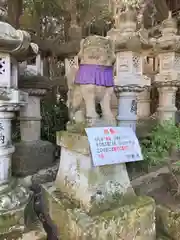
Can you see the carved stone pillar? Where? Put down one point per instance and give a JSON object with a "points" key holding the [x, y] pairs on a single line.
{"points": [[129, 81], [30, 117], [127, 107], [32, 153], [167, 108], [168, 78], [143, 104]]}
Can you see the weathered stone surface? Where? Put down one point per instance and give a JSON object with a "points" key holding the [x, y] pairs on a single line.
{"points": [[168, 221], [42, 176], [13, 212], [17, 234], [32, 156], [134, 219], [12, 224], [34, 235], [73, 141], [80, 180], [163, 238]]}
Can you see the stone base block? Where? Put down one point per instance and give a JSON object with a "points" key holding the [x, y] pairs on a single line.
{"points": [[34, 235], [81, 181], [13, 213], [133, 220], [168, 222], [17, 234], [12, 224], [31, 156]]}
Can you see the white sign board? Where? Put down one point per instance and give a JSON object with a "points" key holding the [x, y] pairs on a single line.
{"points": [[113, 145]]}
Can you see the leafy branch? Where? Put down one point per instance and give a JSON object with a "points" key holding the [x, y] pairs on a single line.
{"points": [[160, 143]]}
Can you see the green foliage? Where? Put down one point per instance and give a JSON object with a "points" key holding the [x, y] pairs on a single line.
{"points": [[39, 15], [158, 146], [54, 118]]}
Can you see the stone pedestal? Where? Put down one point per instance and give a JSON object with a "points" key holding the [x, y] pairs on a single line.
{"points": [[30, 120], [167, 80], [84, 183], [96, 202], [134, 219], [32, 154], [143, 104], [167, 109], [127, 108]]}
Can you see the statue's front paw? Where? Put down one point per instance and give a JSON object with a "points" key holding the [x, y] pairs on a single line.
{"points": [[110, 122], [90, 122]]}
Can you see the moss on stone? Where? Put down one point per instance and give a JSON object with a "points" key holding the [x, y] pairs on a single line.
{"points": [[168, 221], [12, 224], [16, 234], [67, 203], [127, 205], [77, 128], [73, 141], [131, 221]]}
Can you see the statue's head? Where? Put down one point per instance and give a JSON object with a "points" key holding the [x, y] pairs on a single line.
{"points": [[96, 41]]}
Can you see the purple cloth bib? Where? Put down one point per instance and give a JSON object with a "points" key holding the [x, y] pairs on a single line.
{"points": [[95, 74]]}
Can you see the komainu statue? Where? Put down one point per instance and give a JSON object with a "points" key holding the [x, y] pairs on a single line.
{"points": [[93, 80]]}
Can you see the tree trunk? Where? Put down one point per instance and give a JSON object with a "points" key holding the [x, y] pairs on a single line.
{"points": [[15, 8]]}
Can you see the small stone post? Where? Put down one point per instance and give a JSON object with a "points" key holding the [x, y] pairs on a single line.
{"points": [[32, 153], [168, 79], [30, 115], [129, 81]]}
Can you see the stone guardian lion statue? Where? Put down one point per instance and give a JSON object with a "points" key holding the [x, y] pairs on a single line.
{"points": [[93, 80]]}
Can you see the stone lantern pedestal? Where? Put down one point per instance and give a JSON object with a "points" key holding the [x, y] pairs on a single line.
{"points": [[129, 81], [14, 45], [32, 153], [168, 79], [167, 95], [127, 108], [143, 104]]}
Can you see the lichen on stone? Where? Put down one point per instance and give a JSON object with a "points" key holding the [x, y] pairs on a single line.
{"points": [[132, 220]]}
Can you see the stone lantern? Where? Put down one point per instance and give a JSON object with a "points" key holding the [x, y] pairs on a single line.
{"points": [[14, 45], [168, 78], [32, 153], [129, 80]]}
